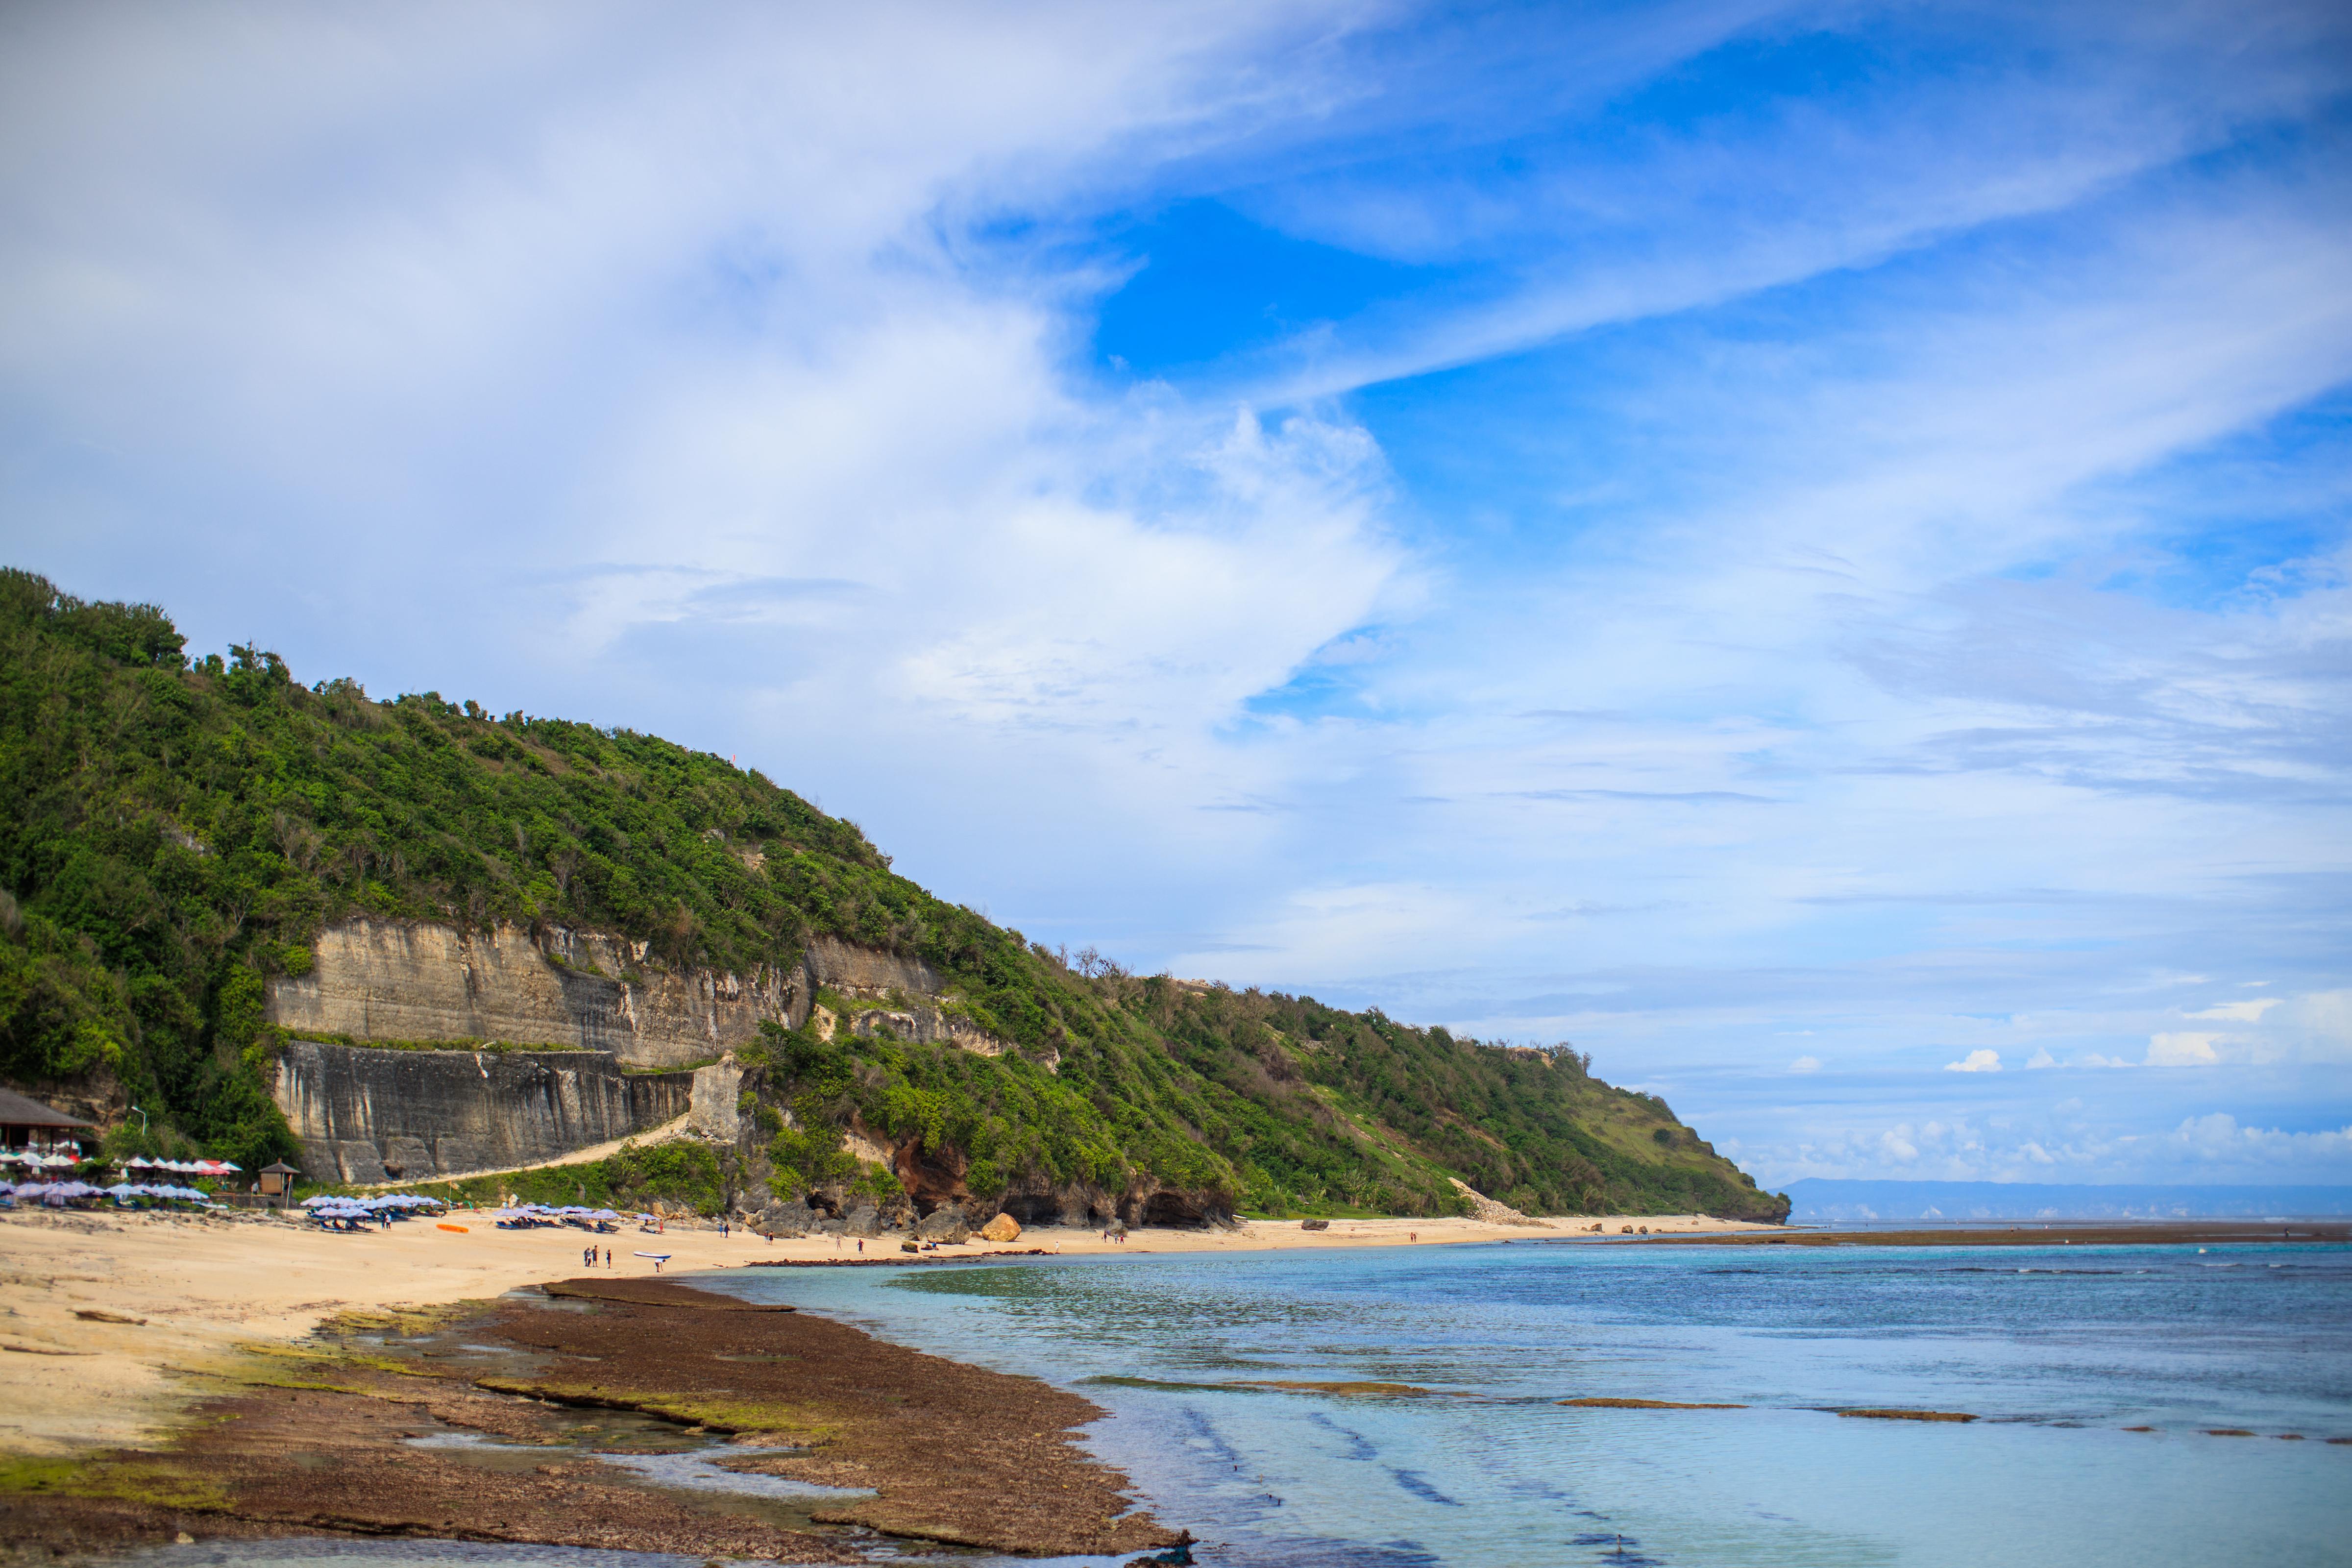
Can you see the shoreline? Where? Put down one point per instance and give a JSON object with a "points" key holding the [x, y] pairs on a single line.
{"points": [[124, 1335], [111, 1319], [203, 1288]]}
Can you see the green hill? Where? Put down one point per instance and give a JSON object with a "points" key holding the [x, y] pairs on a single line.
{"points": [[175, 832]]}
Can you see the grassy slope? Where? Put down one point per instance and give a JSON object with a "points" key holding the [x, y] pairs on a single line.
{"points": [[176, 832]]}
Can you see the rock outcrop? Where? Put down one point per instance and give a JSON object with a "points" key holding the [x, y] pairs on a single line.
{"points": [[391, 980], [367, 1115], [1486, 1208], [717, 1095], [866, 973], [408, 981]]}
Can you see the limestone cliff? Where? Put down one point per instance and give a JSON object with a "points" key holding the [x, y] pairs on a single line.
{"points": [[388, 979], [408, 980], [367, 1115]]}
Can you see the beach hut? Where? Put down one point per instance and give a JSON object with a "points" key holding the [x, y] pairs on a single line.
{"points": [[28, 1127], [277, 1180]]}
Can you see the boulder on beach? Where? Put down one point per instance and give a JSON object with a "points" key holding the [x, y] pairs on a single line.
{"points": [[1314, 1224], [1003, 1227], [946, 1223]]}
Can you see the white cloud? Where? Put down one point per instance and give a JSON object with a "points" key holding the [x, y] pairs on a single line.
{"points": [[706, 379], [2240, 1012], [2217, 1139], [2181, 1048], [2310, 1026]]}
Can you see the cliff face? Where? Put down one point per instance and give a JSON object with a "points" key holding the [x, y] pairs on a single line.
{"points": [[390, 980], [376, 1115], [372, 1115], [864, 973], [385, 980]]}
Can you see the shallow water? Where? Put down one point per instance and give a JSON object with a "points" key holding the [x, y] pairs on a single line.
{"points": [[2056, 1350]]}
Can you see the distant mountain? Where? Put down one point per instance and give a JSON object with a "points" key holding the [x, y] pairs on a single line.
{"points": [[1820, 1199]]}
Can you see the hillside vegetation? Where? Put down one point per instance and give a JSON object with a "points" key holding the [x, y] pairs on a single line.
{"points": [[176, 831]]}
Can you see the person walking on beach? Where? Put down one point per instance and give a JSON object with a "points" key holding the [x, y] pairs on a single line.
{"points": [[608, 1257]]}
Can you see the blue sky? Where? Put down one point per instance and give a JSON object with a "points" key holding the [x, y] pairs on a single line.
{"points": [[1802, 548]]}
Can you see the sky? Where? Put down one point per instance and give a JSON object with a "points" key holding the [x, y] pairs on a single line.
{"points": [[1801, 548]]}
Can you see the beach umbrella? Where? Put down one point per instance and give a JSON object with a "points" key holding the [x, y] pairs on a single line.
{"points": [[322, 1200]]}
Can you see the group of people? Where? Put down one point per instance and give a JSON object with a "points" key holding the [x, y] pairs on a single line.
{"points": [[588, 1256]]}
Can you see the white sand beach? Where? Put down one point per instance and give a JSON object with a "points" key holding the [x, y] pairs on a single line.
{"points": [[112, 1320]]}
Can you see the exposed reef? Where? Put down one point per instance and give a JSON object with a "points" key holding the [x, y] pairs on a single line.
{"points": [[515, 1421]]}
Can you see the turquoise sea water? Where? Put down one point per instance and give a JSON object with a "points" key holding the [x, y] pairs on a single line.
{"points": [[2057, 1350]]}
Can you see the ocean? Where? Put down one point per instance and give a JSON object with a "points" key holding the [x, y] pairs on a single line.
{"points": [[1469, 1456], [1423, 1421]]}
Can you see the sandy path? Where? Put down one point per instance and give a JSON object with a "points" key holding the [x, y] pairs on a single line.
{"points": [[205, 1287]]}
